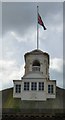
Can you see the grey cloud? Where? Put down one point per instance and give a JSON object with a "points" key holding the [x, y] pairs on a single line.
{"points": [[0, 19], [54, 75], [64, 42], [64, 30], [21, 16], [18, 16]]}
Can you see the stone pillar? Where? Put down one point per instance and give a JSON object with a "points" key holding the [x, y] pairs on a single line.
{"points": [[30, 68], [41, 67]]}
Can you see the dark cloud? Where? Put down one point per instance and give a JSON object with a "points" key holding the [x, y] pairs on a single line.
{"points": [[21, 19], [21, 16], [18, 16]]}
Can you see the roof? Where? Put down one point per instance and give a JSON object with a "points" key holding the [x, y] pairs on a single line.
{"points": [[16, 80], [36, 52], [9, 102], [33, 75]]}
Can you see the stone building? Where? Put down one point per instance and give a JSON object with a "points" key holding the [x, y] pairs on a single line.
{"points": [[35, 85]]}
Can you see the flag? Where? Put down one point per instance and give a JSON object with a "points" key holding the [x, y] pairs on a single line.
{"points": [[41, 22]]}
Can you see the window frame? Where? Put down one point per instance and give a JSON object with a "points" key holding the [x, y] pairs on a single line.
{"points": [[35, 68], [36, 65], [26, 86], [33, 86], [50, 89], [18, 88], [41, 86]]}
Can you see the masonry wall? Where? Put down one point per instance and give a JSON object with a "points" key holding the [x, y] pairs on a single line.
{"points": [[44, 66]]}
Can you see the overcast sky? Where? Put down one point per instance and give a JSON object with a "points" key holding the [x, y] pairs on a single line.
{"points": [[19, 34]]}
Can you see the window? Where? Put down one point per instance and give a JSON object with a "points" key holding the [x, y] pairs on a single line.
{"points": [[26, 85], [18, 88], [41, 86], [36, 65], [33, 86], [50, 88], [36, 68]]}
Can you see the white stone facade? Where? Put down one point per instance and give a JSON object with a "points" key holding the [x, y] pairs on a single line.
{"points": [[35, 84]]}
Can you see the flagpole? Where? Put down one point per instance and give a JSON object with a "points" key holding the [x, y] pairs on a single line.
{"points": [[37, 28]]}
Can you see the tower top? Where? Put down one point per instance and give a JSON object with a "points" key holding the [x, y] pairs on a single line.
{"points": [[36, 52]]}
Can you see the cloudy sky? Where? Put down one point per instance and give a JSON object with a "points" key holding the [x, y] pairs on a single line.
{"points": [[19, 34]]}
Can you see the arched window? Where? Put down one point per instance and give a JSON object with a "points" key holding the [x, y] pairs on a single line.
{"points": [[36, 65]]}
